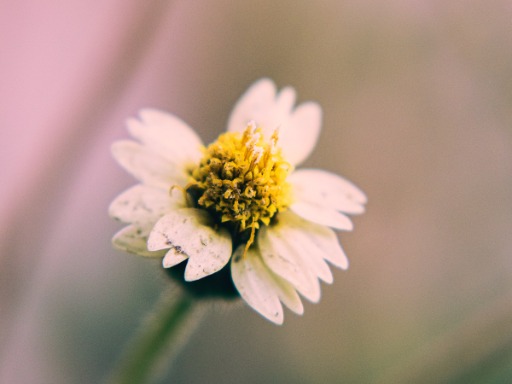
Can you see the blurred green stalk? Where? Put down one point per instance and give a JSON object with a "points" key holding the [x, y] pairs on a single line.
{"points": [[158, 339]]}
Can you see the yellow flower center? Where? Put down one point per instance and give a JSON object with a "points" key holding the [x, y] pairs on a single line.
{"points": [[241, 180]]}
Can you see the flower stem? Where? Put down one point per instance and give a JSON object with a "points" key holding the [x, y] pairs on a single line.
{"points": [[158, 339]]}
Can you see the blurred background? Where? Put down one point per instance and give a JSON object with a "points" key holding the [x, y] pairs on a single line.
{"points": [[417, 112]]}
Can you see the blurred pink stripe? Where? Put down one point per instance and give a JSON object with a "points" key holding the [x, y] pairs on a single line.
{"points": [[64, 67]]}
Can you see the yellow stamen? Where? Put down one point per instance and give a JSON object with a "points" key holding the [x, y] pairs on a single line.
{"points": [[251, 239], [241, 180]]}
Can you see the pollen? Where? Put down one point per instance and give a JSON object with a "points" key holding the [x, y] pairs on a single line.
{"points": [[241, 181]]}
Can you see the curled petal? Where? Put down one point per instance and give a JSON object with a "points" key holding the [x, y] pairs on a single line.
{"points": [[189, 231]]}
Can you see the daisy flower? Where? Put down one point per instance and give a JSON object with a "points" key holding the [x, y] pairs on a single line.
{"points": [[238, 208]]}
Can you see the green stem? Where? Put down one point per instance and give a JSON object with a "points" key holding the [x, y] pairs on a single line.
{"points": [[158, 339]]}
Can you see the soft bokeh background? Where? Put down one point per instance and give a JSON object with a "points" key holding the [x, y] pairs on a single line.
{"points": [[417, 111]]}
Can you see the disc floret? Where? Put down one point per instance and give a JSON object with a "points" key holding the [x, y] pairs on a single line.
{"points": [[241, 181]]}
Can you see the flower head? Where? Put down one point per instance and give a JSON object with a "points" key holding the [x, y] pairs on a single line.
{"points": [[237, 209]]}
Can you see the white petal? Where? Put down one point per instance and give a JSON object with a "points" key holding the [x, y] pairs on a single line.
{"points": [[173, 257], [302, 238], [142, 204], [299, 135], [257, 102], [285, 291], [288, 295], [312, 260], [321, 241], [322, 215], [327, 190], [286, 99], [147, 166], [134, 240], [167, 135], [190, 231], [282, 288], [281, 255], [298, 129], [256, 285]]}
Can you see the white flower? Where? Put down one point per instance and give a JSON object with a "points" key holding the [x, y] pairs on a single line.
{"points": [[239, 200]]}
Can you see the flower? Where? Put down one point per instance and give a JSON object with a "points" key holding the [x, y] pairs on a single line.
{"points": [[238, 205]]}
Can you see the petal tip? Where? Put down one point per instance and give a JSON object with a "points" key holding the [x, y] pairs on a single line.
{"points": [[157, 241]]}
